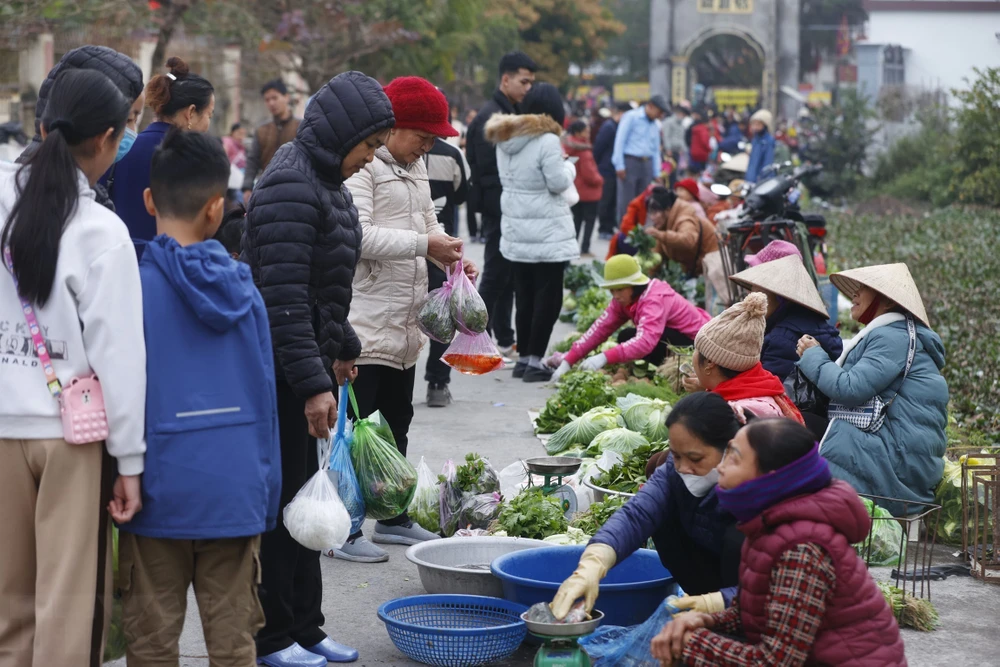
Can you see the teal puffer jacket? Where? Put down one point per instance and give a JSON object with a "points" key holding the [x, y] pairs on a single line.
{"points": [[902, 460]]}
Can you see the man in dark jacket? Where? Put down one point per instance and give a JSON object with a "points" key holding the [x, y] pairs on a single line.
{"points": [[447, 172], [302, 242], [271, 135], [604, 146], [517, 73], [126, 76]]}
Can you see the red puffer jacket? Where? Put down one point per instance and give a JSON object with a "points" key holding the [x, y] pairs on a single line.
{"points": [[859, 629], [589, 181]]}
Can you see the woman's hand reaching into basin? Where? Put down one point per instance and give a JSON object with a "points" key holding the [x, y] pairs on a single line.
{"points": [[585, 582]]}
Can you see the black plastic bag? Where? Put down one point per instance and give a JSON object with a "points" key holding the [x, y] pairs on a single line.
{"points": [[805, 395]]}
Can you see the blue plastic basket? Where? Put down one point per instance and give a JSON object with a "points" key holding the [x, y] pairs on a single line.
{"points": [[454, 630]]}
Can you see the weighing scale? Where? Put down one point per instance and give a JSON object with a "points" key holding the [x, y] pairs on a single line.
{"points": [[559, 641], [553, 469]]}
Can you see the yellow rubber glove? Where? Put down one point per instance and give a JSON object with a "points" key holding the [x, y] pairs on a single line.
{"points": [[584, 583], [709, 603]]}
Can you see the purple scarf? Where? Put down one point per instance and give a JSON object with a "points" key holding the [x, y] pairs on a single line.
{"points": [[805, 475]]}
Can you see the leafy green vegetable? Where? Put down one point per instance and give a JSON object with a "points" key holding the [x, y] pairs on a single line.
{"points": [[589, 306], [578, 392], [648, 417], [478, 510], [435, 318], [630, 474], [597, 514], [566, 343], [468, 308], [477, 476], [882, 547], [645, 390], [583, 429], [910, 611], [949, 496], [425, 508], [531, 514], [620, 440], [579, 277]]}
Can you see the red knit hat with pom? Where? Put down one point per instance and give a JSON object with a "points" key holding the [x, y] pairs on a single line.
{"points": [[418, 105]]}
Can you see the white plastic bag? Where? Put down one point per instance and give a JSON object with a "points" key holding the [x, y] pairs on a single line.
{"points": [[316, 518], [513, 479]]}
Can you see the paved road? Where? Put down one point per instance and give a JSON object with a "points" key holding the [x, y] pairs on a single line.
{"points": [[489, 417]]}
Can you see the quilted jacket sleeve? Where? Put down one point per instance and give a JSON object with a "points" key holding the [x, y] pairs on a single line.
{"points": [[285, 214], [630, 527], [557, 173], [880, 364]]}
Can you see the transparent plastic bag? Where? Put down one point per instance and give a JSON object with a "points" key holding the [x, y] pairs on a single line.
{"points": [[468, 310], [617, 646], [316, 518], [388, 481], [342, 470], [450, 498], [426, 506], [477, 511], [477, 475], [884, 546], [473, 355], [434, 317], [513, 479]]}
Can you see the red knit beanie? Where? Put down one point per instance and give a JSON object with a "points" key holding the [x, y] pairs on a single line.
{"points": [[418, 105], [688, 184]]}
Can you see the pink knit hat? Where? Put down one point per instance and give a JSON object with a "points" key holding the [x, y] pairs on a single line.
{"points": [[772, 251]]}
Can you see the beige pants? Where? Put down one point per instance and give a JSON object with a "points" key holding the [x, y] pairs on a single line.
{"points": [[54, 539], [154, 575]]}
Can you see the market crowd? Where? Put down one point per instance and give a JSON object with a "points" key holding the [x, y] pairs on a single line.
{"points": [[140, 269]]}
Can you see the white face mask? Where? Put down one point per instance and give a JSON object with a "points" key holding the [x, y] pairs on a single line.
{"points": [[700, 485]]}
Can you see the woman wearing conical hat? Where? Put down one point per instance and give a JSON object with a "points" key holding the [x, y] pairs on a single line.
{"points": [[901, 459], [794, 307]]}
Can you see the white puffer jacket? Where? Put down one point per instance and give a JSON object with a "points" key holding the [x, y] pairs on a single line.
{"points": [[390, 282], [537, 224]]}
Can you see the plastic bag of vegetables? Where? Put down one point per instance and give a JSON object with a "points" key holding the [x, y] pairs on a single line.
{"points": [[477, 511], [583, 429], [434, 318], [648, 417], [426, 506], [884, 546], [316, 518], [387, 480], [477, 476], [621, 440], [449, 498], [468, 310]]}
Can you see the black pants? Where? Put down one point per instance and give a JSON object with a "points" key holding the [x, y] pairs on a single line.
{"points": [[390, 391], [584, 217], [607, 207], [291, 588], [436, 372], [497, 285], [538, 289], [659, 353], [472, 221]]}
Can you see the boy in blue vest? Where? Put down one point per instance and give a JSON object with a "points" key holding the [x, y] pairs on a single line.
{"points": [[213, 475]]}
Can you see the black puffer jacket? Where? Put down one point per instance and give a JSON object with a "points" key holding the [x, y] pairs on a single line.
{"points": [[482, 157], [303, 238], [118, 67]]}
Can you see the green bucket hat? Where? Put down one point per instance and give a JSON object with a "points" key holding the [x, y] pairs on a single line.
{"points": [[623, 271]]}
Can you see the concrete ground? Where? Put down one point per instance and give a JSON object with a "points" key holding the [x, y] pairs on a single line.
{"points": [[489, 416]]}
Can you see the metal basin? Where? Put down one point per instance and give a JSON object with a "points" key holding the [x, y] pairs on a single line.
{"points": [[461, 565], [564, 629], [600, 493]]}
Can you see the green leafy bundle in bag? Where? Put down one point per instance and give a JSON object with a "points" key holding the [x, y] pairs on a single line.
{"points": [[388, 481]]}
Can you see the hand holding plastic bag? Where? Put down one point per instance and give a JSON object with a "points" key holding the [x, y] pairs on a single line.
{"points": [[342, 470], [387, 480], [473, 355], [434, 318], [426, 506], [316, 518], [468, 310], [615, 646]]}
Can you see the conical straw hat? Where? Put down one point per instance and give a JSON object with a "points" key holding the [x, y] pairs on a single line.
{"points": [[893, 281], [785, 277]]}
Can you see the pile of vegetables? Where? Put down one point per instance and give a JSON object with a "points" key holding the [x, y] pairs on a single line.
{"points": [[649, 260], [589, 306], [647, 416], [578, 392], [531, 514], [597, 515], [582, 430], [910, 611], [470, 495], [630, 474], [949, 496], [579, 277]]}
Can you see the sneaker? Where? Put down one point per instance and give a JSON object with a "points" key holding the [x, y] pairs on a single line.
{"points": [[360, 550], [533, 374], [509, 351], [438, 395], [519, 369], [407, 533]]}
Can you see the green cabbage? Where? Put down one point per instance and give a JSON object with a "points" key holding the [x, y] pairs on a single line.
{"points": [[583, 429], [648, 417], [620, 440]]}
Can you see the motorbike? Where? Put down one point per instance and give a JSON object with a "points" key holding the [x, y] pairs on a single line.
{"points": [[770, 212]]}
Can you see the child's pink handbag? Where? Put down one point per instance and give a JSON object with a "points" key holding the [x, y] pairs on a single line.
{"points": [[82, 403]]}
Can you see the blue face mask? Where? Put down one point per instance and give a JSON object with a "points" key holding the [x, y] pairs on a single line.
{"points": [[126, 144]]}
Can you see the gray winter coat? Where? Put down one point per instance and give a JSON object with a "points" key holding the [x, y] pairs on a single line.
{"points": [[537, 224]]}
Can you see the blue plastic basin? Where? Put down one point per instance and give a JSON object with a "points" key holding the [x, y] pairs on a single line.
{"points": [[629, 594]]}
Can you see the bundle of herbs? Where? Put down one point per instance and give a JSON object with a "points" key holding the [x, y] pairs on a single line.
{"points": [[910, 611], [630, 474], [597, 514], [531, 514]]}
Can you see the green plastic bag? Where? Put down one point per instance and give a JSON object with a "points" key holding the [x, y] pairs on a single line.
{"points": [[388, 481], [884, 541]]}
